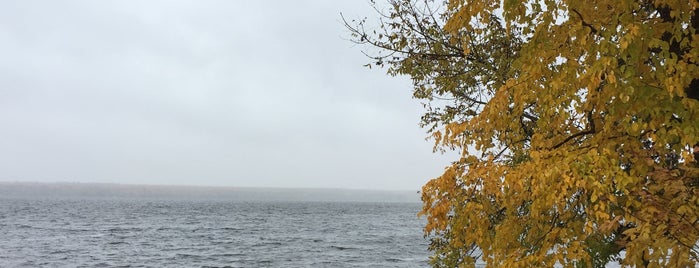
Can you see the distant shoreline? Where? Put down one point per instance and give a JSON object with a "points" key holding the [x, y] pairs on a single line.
{"points": [[17, 189]]}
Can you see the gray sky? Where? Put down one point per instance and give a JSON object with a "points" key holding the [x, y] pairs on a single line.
{"points": [[229, 93]]}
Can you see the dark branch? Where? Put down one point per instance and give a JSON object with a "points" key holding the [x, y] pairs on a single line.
{"points": [[589, 131], [582, 20]]}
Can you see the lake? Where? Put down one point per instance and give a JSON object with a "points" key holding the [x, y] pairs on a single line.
{"points": [[69, 232]]}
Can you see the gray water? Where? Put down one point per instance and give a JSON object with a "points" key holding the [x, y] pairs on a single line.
{"points": [[182, 233]]}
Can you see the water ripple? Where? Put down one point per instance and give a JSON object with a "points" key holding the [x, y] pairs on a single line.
{"points": [[123, 233]]}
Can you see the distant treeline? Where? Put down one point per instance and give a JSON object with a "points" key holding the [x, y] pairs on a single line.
{"points": [[122, 191]]}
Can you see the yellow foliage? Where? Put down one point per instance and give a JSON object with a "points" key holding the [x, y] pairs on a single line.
{"points": [[574, 120]]}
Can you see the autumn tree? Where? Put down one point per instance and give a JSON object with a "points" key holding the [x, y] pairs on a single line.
{"points": [[575, 122]]}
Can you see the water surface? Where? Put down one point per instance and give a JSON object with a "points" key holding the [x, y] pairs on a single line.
{"points": [[189, 233]]}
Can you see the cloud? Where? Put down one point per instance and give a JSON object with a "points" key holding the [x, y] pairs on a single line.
{"points": [[261, 93]]}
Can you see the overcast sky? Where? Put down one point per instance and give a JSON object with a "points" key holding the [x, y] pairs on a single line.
{"points": [[218, 93]]}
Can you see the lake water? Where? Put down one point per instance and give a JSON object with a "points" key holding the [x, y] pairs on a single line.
{"points": [[188, 233]]}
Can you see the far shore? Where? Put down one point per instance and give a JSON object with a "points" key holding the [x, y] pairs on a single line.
{"points": [[133, 191]]}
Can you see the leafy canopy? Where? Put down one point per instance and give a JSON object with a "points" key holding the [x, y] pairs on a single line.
{"points": [[575, 121]]}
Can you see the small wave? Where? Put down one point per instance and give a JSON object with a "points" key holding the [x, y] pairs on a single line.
{"points": [[268, 244], [186, 255], [343, 248], [124, 229], [227, 255], [59, 251]]}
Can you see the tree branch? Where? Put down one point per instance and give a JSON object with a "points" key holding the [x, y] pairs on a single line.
{"points": [[582, 20]]}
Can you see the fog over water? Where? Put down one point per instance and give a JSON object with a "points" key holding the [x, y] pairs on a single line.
{"points": [[93, 191]]}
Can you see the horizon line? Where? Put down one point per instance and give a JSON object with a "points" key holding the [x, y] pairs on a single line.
{"points": [[207, 186]]}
